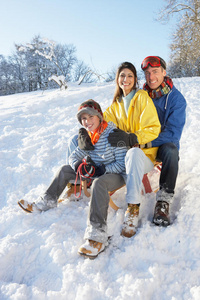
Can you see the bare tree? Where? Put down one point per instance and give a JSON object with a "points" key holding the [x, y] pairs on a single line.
{"points": [[185, 51], [82, 73], [191, 8]]}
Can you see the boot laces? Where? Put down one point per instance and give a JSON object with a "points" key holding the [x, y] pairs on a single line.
{"points": [[132, 212], [163, 206]]}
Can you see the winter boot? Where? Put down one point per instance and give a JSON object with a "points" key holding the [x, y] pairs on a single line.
{"points": [[161, 214], [28, 207], [91, 249], [71, 190], [130, 224], [41, 205], [70, 193]]}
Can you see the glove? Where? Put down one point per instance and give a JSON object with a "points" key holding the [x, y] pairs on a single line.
{"points": [[99, 170], [120, 138], [86, 170], [89, 168], [84, 141]]}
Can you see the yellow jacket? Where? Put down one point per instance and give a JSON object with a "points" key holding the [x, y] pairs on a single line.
{"points": [[142, 119]]}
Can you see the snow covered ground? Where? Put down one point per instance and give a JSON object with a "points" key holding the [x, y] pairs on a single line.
{"points": [[38, 252]]}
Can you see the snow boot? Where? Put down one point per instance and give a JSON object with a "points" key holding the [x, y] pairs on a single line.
{"points": [[41, 205], [70, 193], [71, 190], [130, 224], [161, 214], [28, 207], [91, 249]]}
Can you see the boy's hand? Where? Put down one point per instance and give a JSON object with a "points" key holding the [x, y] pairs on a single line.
{"points": [[86, 169], [89, 168], [99, 170], [84, 141], [120, 138]]}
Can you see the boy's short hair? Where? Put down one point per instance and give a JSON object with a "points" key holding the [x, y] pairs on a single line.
{"points": [[90, 107]]}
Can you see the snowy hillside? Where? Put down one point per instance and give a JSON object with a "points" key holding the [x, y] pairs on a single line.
{"points": [[38, 252]]}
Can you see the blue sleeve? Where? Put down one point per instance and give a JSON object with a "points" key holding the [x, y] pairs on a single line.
{"points": [[75, 156], [173, 123], [117, 166]]}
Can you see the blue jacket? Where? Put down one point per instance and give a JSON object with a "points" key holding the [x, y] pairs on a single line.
{"points": [[171, 112]]}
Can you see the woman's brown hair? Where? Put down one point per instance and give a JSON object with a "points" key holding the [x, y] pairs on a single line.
{"points": [[118, 90]]}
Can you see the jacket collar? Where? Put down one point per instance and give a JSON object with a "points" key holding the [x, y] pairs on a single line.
{"points": [[132, 95]]}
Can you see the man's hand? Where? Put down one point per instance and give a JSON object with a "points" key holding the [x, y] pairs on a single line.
{"points": [[84, 141], [120, 138], [147, 145]]}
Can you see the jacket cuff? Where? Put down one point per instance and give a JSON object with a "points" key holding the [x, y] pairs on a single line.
{"points": [[148, 145]]}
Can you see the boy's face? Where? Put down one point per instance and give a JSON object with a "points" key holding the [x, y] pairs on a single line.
{"points": [[154, 76], [90, 122]]}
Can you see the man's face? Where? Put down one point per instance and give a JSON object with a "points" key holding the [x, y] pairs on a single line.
{"points": [[154, 76]]}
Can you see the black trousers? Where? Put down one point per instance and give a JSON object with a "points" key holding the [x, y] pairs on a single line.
{"points": [[169, 155]]}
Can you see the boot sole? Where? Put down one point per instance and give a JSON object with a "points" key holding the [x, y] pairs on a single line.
{"points": [[89, 256], [26, 210], [31, 210], [161, 222]]}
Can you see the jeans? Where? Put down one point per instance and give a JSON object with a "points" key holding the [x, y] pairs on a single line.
{"points": [[137, 164], [169, 155]]}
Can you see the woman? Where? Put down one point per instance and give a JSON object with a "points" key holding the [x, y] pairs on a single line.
{"points": [[136, 117]]}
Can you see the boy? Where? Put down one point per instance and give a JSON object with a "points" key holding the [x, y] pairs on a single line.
{"points": [[105, 164]]}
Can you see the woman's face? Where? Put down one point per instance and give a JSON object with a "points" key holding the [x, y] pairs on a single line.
{"points": [[126, 81]]}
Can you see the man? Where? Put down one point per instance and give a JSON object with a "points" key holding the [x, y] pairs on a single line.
{"points": [[171, 106]]}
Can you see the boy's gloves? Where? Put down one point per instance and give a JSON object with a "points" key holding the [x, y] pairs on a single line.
{"points": [[120, 138], [90, 168], [99, 170], [84, 141]]}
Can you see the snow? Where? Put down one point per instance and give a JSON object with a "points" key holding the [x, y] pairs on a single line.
{"points": [[38, 252]]}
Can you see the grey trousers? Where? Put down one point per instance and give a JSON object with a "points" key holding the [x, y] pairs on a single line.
{"points": [[97, 220], [99, 202], [60, 181]]}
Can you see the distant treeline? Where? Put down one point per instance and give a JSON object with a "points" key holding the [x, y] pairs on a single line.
{"points": [[43, 64]]}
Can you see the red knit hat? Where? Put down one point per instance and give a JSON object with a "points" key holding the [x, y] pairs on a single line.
{"points": [[90, 107]]}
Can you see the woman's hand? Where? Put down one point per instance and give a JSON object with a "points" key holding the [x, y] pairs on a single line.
{"points": [[120, 138]]}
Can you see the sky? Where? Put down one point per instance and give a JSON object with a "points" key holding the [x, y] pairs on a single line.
{"points": [[105, 32]]}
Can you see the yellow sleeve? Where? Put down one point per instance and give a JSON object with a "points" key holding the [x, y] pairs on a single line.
{"points": [[110, 116], [148, 125]]}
